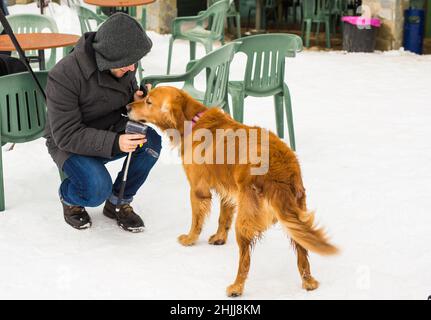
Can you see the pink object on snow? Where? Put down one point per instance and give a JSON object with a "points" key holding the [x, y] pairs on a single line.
{"points": [[361, 21]]}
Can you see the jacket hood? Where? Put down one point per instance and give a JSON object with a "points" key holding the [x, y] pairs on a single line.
{"points": [[86, 55]]}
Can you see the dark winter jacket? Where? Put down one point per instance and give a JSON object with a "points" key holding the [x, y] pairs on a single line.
{"points": [[85, 106]]}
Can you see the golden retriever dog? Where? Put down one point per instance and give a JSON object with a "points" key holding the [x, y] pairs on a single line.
{"points": [[260, 200]]}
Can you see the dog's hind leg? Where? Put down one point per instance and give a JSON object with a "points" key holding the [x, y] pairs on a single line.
{"points": [[308, 282], [247, 234], [201, 205], [224, 222], [244, 242]]}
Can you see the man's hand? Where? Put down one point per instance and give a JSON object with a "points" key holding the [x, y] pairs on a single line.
{"points": [[129, 142], [139, 95]]}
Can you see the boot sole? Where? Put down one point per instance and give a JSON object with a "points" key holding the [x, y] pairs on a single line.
{"points": [[83, 227], [133, 230]]}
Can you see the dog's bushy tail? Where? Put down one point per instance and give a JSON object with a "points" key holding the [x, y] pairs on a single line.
{"points": [[300, 224]]}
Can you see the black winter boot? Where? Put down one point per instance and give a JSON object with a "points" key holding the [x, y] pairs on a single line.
{"points": [[126, 217], [76, 216]]}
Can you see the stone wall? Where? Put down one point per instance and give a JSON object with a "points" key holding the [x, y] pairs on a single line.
{"points": [[160, 15], [391, 12]]}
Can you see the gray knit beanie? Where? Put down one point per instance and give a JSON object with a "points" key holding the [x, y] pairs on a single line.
{"points": [[120, 41]]}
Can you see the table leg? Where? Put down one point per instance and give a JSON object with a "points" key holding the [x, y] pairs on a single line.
{"points": [[41, 3], [41, 54]]}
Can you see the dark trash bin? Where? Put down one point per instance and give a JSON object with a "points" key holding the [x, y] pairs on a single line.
{"points": [[359, 33], [414, 28]]}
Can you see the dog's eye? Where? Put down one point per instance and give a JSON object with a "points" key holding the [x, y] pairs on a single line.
{"points": [[148, 101]]}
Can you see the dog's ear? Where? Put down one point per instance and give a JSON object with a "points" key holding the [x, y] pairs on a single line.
{"points": [[190, 106], [174, 111]]}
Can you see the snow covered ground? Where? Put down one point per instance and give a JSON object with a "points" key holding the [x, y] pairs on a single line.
{"points": [[363, 139]]}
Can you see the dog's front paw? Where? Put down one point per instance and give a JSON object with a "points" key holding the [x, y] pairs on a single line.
{"points": [[310, 283], [186, 240], [217, 239], [234, 290]]}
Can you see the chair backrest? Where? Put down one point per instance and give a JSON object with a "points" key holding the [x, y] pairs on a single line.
{"points": [[266, 55], [22, 107], [325, 7], [34, 23], [232, 6], [308, 9], [216, 64], [217, 15], [86, 18]]}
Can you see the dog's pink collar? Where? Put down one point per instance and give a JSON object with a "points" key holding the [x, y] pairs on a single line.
{"points": [[196, 118]]}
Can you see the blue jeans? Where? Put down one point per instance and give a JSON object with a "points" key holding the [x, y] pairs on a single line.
{"points": [[89, 184]]}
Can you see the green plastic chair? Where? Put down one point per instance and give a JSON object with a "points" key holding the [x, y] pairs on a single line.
{"points": [[215, 14], [87, 18], [316, 11], [269, 7], [233, 16], [216, 64], [22, 113], [34, 23], [264, 76]]}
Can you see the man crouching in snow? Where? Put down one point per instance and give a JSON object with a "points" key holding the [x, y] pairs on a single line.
{"points": [[87, 92]]}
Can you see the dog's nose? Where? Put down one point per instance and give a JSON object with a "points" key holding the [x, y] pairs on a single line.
{"points": [[128, 107]]}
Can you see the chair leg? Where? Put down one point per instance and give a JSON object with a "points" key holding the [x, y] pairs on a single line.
{"points": [[303, 30], [328, 34], [226, 107], [317, 32], [144, 18], [238, 104], [308, 33], [171, 43], [2, 201], [289, 114], [192, 50], [238, 26], [279, 115]]}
